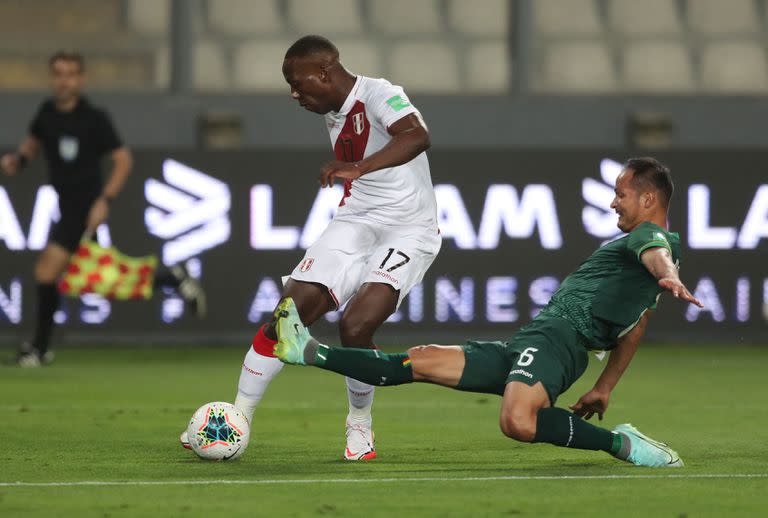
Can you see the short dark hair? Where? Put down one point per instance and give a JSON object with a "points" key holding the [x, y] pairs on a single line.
{"points": [[312, 44], [67, 55], [649, 173]]}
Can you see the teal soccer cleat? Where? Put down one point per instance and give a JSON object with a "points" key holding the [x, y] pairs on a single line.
{"points": [[644, 451], [292, 336]]}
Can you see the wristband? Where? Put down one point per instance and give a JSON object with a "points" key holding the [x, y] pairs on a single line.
{"points": [[23, 161]]}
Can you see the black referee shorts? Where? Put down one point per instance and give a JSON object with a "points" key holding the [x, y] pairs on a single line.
{"points": [[69, 230]]}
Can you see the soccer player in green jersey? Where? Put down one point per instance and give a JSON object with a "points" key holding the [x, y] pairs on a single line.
{"points": [[603, 305]]}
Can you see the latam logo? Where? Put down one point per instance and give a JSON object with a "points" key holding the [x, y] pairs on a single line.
{"points": [[600, 220], [190, 211], [598, 217]]}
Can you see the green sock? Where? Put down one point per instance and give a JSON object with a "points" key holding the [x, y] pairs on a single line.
{"points": [[367, 365], [562, 428]]}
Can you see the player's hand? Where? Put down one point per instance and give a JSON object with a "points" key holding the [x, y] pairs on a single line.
{"points": [[10, 163], [97, 215], [346, 170], [678, 290], [591, 403]]}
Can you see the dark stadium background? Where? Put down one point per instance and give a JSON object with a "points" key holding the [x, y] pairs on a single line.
{"points": [[531, 93]]}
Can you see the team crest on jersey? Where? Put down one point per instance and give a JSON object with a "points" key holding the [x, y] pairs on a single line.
{"points": [[306, 264], [68, 148], [358, 123]]}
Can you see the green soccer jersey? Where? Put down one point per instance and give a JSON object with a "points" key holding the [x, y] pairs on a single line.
{"points": [[606, 296]]}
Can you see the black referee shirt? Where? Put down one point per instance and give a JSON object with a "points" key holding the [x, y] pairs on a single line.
{"points": [[74, 144]]}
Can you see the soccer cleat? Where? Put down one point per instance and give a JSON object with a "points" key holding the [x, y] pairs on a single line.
{"points": [[644, 451], [46, 358], [190, 290], [184, 440], [361, 443], [29, 357], [292, 335], [28, 360]]}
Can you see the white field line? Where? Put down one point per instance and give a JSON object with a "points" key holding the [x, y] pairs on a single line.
{"points": [[256, 482]]}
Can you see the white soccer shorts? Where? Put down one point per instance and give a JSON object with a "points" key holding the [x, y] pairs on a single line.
{"points": [[350, 253]]}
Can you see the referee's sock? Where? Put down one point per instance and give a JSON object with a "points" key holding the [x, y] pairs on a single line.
{"points": [[47, 303], [164, 278], [562, 428]]}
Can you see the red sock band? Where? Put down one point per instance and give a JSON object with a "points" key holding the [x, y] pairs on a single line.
{"points": [[264, 345]]}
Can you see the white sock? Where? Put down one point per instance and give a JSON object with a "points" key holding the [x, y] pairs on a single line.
{"points": [[360, 397], [255, 377]]}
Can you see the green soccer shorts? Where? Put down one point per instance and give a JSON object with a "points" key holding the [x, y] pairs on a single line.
{"points": [[548, 350]]}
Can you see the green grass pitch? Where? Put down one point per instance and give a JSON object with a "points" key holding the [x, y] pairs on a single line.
{"points": [[113, 415]]}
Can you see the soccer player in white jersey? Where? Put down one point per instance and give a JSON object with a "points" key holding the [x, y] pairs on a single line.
{"points": [[384, 236]]}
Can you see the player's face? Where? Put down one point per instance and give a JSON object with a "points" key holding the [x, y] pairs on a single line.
{"points": [[627, 202], [310, 84], [66, 79]]}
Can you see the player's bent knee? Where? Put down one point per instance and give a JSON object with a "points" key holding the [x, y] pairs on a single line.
{"points": [[520, 426], [419, 351], [46, 273], [419, 356], [433, 364]]}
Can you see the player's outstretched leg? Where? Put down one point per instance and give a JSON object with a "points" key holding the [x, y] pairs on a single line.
{"points": [[296, 346], [644, 451]]}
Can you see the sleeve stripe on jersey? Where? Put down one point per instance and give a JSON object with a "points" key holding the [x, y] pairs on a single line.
{"points": [[653, 244]]}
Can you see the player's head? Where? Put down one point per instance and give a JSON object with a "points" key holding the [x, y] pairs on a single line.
{"points": [[643, 192], [67, 71], [312, 69]]}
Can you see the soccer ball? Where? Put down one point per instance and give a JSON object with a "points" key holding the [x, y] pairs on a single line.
{"points": [[218, 431]]}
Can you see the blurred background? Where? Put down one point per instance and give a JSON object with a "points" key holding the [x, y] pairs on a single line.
{"points": [[531, 105]]}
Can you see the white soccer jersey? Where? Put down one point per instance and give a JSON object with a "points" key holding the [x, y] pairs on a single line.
{"points": [[401, 195]]}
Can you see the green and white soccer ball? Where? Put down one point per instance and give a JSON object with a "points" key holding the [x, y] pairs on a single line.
{"points": [[218, 431]]}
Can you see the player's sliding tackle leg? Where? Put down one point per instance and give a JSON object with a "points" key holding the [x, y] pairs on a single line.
{"points": [[526, 414]]}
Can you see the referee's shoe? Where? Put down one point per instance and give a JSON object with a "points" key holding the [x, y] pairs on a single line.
{"points": [[190, 290], [29, 357]]}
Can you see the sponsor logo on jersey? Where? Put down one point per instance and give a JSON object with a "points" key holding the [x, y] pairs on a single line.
{"points": [[190, 211], [306, 264], [68, 148], [358, 123], [523, 372], [397, 103], [251, 371], [387, 276]]}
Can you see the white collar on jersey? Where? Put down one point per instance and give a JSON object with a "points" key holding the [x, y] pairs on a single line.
{"points": [[350, 100]]}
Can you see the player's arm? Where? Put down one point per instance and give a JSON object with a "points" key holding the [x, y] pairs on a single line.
{"points": [[658, 261], [596, 400], [12, 163], [410, 138], [122, 162]]}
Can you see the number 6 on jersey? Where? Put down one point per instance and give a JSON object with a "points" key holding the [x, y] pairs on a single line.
{"points": [[526, 357]]}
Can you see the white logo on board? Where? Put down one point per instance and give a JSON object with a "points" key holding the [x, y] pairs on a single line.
{"points": [[190, 211], [598, 217]]}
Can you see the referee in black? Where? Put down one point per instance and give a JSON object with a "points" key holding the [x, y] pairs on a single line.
{"points": [[74, 136]]}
